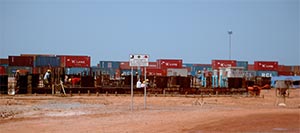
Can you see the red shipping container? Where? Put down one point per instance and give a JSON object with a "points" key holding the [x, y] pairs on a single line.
{"points": [[155, 72], [169, 63], [2, 70], [152, 65], [265, 65], [296, 68], [250, 67], [3, 61], [75, 61], [286, 73], [284, 68], [20, 61], [216, 64], [125, 65]]}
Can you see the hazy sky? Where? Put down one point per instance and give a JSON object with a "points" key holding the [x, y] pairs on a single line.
{"points": [[192, 30]]}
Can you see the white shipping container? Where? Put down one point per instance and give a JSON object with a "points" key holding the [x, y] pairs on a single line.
{"points": [[235, 72], [183, 72]]}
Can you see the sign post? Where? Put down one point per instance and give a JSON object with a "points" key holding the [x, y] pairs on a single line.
{"points": [[138, 60]]}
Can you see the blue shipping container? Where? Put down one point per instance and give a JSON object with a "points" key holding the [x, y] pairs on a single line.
{"points": [[44, 61], [108, 71], [77, 71], [242, 64], [266, 73], [128, 72], [187, 65], [110, 64]]}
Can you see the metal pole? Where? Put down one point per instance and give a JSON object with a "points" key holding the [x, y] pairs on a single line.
{"points": [[131, 88], [229, 46], [230, 33], [145, 92]]}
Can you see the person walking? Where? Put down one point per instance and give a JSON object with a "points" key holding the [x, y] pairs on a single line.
{"points": [[17, 79], [47, 78]]}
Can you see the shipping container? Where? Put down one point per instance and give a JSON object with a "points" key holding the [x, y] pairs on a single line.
{"points": [[187, 65], [284, 68], [77, 71], [169, 63], [251, 67], [183, 72], [152, 65], [243, 64], [4, 61], [155, 72], [50, 61], [197, 67], [266, 73], [295, 68], [34, 55], [286, 73], [249, 74], [125, 65], [75, 61], [110, 64], [2, 70], [126, 72], [216, 64], [21, 61], [266, 65], [234, 72], [11, 70]]}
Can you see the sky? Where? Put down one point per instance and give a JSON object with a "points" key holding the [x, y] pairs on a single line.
{"points": [[195, 31]]}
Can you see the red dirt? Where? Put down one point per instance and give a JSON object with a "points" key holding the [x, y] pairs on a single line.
{"points": [[110, 114]]}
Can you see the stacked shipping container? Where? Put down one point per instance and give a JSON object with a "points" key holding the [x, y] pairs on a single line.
{"points": [[266, 68], [217, 64], [74, 61]]}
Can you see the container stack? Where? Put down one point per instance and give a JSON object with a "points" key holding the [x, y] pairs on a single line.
{"points": [[266, 68]]}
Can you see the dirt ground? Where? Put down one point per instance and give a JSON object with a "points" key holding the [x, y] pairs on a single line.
{"points": [[170, 114]]}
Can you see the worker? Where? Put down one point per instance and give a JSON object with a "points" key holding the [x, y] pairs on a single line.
{"points": [[17, 79], [47, 78]]}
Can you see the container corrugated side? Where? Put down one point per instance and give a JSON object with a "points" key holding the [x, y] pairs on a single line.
{"points": [[286, 73], [21, 61], [284, 68], [110, 64], [2, 70], [217, 64], [4, 61], [155, 72], [183, 72], [75, 61], [266, 73], [243, 64], [126, 72], [77, 71], [11, 70], [125, 65], [169, 63], [296, 68], [196, 69], [42, 61], [266, 65]]}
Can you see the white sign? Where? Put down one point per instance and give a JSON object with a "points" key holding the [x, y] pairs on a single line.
{"points": [[139, 60]]}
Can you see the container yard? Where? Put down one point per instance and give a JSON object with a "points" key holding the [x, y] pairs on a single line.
{"points": [[177, 93], [114, 76]]}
